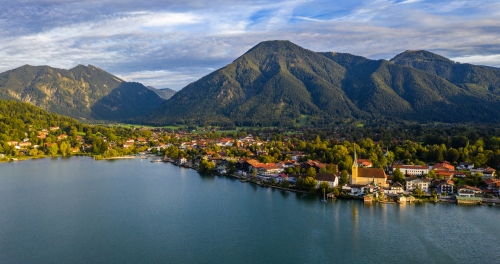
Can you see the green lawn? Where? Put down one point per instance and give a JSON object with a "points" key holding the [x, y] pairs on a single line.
{"points": [[303, 120]]}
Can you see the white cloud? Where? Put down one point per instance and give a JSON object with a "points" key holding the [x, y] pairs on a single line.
{"points": [[172, 43]]}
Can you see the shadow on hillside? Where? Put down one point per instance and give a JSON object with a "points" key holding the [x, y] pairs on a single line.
{"points": [[128, 100]]}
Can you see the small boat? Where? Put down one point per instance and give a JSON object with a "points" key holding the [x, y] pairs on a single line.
{"points": [[324, 197], [157, 160]]}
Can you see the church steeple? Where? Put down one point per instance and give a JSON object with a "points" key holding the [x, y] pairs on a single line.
{"points": [[354, 169], [355, 162]]}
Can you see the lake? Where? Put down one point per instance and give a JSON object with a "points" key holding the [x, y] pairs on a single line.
{"points": [[77, 210]]}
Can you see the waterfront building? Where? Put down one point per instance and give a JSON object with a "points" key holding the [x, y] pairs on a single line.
{"points": [[469, 191], [415, 183], [364, 176], [329, 178], [446, 186]]}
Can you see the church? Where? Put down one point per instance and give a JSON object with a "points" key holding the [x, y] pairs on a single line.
{"points": [[364, 176]]}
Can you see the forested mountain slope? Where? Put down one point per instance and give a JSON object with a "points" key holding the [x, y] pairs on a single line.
{"points": [[84, 92]]}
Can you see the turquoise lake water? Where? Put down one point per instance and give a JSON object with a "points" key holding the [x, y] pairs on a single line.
{"points": [[78, 210]]}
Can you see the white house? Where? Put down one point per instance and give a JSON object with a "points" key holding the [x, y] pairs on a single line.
{"points": [[412, 169], [469, 191], [329, 178], [414, 183], [396, 188]]}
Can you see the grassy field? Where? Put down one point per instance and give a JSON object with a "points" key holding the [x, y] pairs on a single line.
{"points": [[303, 121]]}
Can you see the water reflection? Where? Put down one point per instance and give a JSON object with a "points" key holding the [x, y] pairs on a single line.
{"points": [[284, 194]]}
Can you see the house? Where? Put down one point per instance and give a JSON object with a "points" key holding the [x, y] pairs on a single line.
{"points": [[74, 150], [491, 183], [281, 178], [225, 142], [414, 183], [469, 191], [268, 168], [487, 173], [12, 143], [446, 186], [445, 165], [54, 128], [181, 161], [355, 189], [459, 174], [313, 163], [128, 145], [24, 144], [466, 165], [365, 163], [141, 141], [447, 175], [412, 169], [329, 178], [396, 188], [295, 155]]}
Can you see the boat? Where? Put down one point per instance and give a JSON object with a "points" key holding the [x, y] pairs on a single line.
{"points": [[324, 197], [157, 160]]}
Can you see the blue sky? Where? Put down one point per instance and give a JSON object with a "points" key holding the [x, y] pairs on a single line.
{"points": [[173, 43]]}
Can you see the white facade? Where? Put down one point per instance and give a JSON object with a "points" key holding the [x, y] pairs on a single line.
{"points": [[413, 169], [412, 184]]}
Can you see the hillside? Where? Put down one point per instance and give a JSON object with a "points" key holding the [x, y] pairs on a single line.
{"points": [[467, 76], [17, 117], [164, 93], [83, 92], [274, 83], [278, 83]]}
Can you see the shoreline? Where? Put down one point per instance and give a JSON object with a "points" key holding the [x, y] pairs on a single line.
{"points": [[485, 202]]}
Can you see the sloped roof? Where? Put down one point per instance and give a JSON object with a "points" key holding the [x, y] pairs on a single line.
{"points": [[371, 173], [326, 177]]}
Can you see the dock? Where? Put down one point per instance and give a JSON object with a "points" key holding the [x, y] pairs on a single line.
{"points": [[469, 200]]}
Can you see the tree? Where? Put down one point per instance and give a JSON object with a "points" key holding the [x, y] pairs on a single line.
{"points": [[432, 174], [206, 166], [63, 148], [398, 176], [35, 152], [418, 192], [324, 186], [99, 146], [311, 172], [336, 191], [344, 177], [309, 183], [52, 150]]}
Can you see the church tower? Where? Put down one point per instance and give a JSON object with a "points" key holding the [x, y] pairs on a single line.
{"points": [[354, 169]]}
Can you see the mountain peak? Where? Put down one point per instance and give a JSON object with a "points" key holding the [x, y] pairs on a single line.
{"points": [[274, 46], [420, 55]]}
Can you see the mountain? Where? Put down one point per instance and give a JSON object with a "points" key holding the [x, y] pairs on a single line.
{"points": [[464, 75], [274, 83], [164, 93], [385, 89], [84, 92], [280, 83]]}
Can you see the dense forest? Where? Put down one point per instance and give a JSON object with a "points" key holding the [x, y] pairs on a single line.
{"points": [[44, 133]]}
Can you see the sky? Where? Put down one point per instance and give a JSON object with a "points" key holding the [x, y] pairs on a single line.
{"points": [[173, 43]]}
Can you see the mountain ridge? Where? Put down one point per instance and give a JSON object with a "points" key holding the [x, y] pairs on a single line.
{"points": [[83, 92], [278, 82]]}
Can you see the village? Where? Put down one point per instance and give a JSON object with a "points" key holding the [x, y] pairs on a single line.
{"points": [[285, 161]]}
